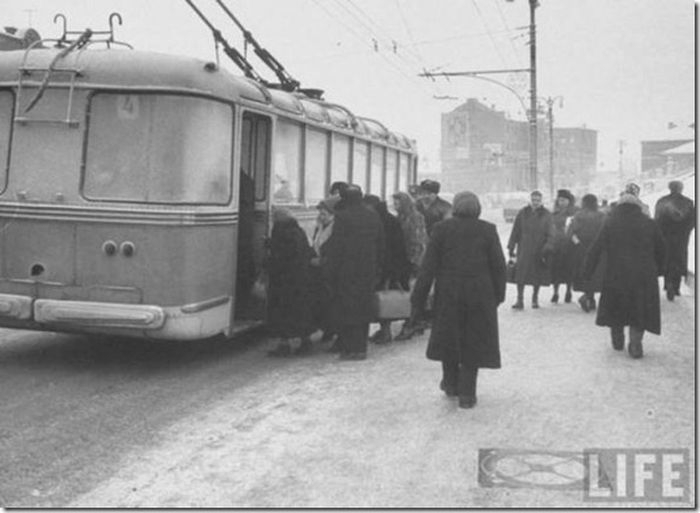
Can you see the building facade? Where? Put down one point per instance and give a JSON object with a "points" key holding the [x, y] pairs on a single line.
{"points": [[484, 151]]}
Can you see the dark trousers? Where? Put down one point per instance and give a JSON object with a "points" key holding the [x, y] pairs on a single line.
{"points": [[353, 338], [672, 280]]}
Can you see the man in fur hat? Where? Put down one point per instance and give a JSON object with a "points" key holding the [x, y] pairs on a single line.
{"points": [[432, 206]]}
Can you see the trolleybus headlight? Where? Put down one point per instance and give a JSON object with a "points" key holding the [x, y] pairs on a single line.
{"points": [[109, 247], [128, 248]]}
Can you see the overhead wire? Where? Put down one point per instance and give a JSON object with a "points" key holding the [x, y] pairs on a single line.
{"points": [[488, 29], [517, 56]]}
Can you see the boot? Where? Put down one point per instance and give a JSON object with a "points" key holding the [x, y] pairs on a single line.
{"points": [[450, 375], [567, 296], [591, 303], [382, 335], [584, 301], [467, 386], [635, 346], [617, 336], [518, 305]]}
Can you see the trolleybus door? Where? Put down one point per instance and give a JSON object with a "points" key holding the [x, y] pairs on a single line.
{"points": [[253, 217]]}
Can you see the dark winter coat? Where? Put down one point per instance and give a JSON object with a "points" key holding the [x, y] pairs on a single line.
{"points": [[395, 267], [533, 234], [562, 261], [354, 254], [675, 215], [585, 226], [434, 213], [289, 304], [636, 252], [465, 258]]}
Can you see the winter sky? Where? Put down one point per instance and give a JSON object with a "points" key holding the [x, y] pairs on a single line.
{"points": [[623, 67]]}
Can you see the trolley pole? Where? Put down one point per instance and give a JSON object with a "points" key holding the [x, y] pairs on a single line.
{"points": [[533, 96]]}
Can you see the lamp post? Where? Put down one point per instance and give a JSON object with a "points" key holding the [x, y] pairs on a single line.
{"points": [[550, 120], [533, 96]]}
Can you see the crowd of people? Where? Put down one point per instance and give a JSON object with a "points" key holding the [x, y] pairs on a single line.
{"points": [[452, 265]]}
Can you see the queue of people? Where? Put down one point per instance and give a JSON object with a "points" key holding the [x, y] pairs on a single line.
{"points": [[446, 252]]}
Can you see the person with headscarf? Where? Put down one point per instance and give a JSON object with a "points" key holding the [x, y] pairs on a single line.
{"points": [[289, 305], [633, 190], [562, 253], [583, 230], [533, 238], [675, 215], [354, 256], [465, 260], [319, 287], [395, 267], [635, 257]]}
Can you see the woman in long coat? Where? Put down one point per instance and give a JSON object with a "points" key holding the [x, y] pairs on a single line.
{"points": [[533, 234], [562, 253], [583, 230], [289, 304], [465, 258], [630, 296], [354, 255]]}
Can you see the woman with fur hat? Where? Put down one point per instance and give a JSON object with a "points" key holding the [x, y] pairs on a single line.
{"points": [[582, 232]]}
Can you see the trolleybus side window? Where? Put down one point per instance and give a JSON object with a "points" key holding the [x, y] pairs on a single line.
{"points": [[403, 172], [158, 148], [6, 115], [376, 170], [340, 158], [286, 173], [315, 165], [391, 164], [359, 164]]}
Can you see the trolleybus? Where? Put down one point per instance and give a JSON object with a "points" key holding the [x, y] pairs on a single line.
{"points": [[136, 187]]}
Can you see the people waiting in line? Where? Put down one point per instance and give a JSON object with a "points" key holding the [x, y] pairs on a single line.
{"points": [[635, 257], [354, 255], [582, 231], [562, 252], [532, 237], [395, 268], [465, 259], [675, 215]]}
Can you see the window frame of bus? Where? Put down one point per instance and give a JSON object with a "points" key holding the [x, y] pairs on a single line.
{"points": [[128, 92], [391, 153], [10, 131], [325, 177], [301, 150], [378, 150], [364, 142]]}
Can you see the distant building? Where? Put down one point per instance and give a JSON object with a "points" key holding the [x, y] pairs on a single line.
{"points": [[667, 157], [13, 39], [484, 151]]}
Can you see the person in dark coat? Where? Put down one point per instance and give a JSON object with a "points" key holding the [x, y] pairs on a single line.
{"points": [[533, 236], [562, 254], [432, 206], [675, 215], [636, 253], [355, 253], [465, 259], [395, 267], [289, 302], [583, 230]]}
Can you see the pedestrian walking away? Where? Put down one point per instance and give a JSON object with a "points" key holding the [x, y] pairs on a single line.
{"points": [[675, 215], [582, 231], [531, 243], [465, 259], [289, 304], [562, 253], [355, 252], [630, 295]]}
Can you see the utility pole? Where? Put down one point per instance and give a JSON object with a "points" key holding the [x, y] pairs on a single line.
{"points": [[533, 96], [550, 120]]}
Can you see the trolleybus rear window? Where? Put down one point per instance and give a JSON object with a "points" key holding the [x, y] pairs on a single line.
{"points": [[6, 104], [158, 148]]}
